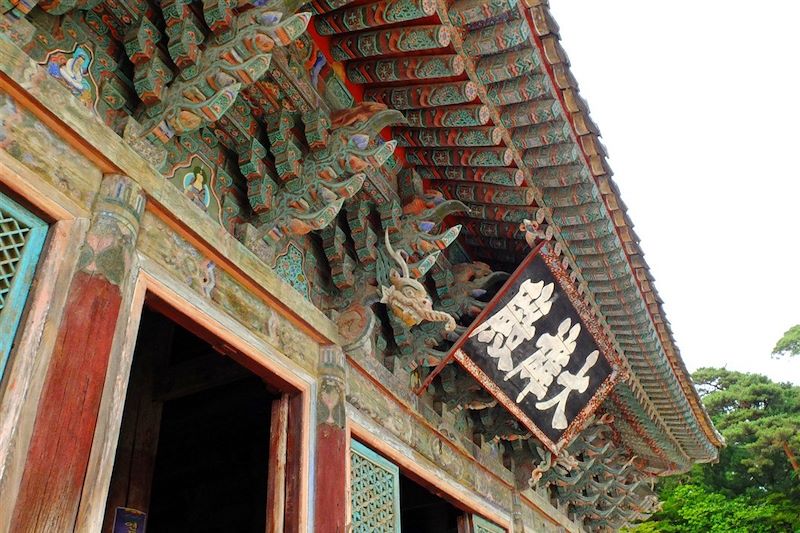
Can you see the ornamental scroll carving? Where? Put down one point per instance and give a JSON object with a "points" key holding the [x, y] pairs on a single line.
{"points": [[209, 85], [311, 181]]}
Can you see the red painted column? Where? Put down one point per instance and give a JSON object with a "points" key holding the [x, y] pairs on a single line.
{"points": [[330, 485], [68, 408]]}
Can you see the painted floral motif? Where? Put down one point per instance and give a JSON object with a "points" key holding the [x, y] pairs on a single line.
{"points": [[290, 267]]}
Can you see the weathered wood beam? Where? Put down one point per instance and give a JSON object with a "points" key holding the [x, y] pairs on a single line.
{"points": [[521, 89], [405, 68], [541, 135], [530, 112], [552, 155], [466, 12], [502, 67], [491, 229], [570, 195], [324, 6], [448, 116], [485, 193], [497, 38], [421, 96], [373, 15], [578, 214], [561, 175], [509, 176], [384, 42], [593, 230], [427, 137], [465, 157], [503, 213]]}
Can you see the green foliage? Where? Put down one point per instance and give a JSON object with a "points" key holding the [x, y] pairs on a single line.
{"points": [[693, 508], [789, 344], [753, 487]]}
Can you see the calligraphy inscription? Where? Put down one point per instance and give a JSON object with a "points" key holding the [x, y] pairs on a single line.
{"points": [[535, 348]]}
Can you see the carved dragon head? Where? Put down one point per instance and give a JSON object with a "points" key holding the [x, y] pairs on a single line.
{"points": [[407, 297]]}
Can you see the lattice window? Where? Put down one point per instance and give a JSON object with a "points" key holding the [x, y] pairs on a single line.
{"points": [[21, 239], [374, 491]]}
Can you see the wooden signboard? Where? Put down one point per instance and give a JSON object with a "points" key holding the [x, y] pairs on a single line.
{"points": [[128, 520], [539, 350]]}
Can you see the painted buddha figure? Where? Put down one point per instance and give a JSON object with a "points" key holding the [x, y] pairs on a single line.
{"points": [[195, 187]]}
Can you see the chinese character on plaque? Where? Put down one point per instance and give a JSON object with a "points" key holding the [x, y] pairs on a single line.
{"points": [[539, 350]]}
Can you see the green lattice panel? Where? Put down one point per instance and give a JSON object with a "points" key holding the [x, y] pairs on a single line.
{"points": [[374, 491], [481, 525], [21, 239]]}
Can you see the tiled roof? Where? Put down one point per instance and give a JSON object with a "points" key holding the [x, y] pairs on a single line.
{"points": [[496, 120]]}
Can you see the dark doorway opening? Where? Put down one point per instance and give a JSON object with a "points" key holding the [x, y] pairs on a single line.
{"points": [[193, 450], [422, 511]]}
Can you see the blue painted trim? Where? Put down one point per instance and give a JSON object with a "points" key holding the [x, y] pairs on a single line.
{"points": [[312, 458], [14, 306]]}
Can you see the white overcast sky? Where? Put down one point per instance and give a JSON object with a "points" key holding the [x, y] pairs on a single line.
{"points": [[697, 103]]}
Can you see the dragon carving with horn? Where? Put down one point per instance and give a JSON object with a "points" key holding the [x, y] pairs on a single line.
{"points": [[407, 297]]}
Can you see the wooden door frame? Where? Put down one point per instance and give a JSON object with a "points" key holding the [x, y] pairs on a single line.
{"points": [[173, 298]]}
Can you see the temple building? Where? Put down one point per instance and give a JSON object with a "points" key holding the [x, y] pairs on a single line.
{"points": [[348, 265]]}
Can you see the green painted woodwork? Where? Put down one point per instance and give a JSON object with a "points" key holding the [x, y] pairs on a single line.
{"points": [[560, 176], [389, 41], [467, 157], [555, 154], [405, 68], [373, 15], [521, 89], [465, 12], [451, 116], [571, 195], [21, 240], [512, 177], [374, 491], [481, 525], [421, 96], [497, 38], [541, 134], [578, 214], [475, 136], [532, 112], [507, 65]]}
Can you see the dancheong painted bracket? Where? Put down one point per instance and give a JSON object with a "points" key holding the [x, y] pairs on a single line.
{"points": [[539, 350]]}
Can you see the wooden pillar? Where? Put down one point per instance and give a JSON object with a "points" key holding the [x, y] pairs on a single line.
{"points": [[330, 492], [63, 431], [517, 520], [522, 476]]}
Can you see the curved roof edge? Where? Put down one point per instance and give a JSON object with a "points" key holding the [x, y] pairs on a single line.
{"points": [[577, 110]]}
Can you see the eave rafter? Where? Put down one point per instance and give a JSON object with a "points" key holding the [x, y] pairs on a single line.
{"points": [[496, 121]]}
